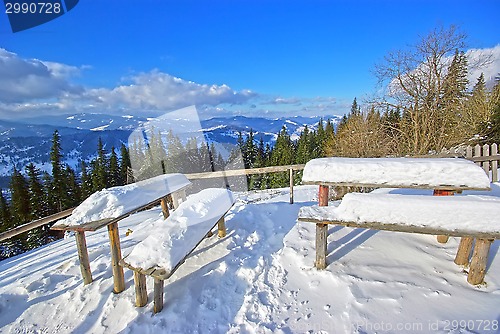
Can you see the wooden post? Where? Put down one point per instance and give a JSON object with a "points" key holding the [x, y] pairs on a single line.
{"points": [[291, 185], [221, 227], [323, 196], [141, 294], [486, 164], [442, 238], [116, 256], [479, 261], [164, 207], [494, 163], [158, 295], [463, 252], [321, 231], [83, 256]]}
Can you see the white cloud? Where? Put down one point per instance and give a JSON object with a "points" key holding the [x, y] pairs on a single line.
{"points": [[161, 91], [24, 80], [491, 69]]}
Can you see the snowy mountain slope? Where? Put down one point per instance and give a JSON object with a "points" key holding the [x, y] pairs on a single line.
{"points": [[22, 142], [259, 279]]}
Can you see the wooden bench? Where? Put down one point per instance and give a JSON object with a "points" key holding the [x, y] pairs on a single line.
{"points": [[172, 240], [444, 176], [459, 216], [108, 206]]}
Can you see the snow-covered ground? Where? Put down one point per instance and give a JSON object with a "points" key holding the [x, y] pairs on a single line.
{"points": [[259, 279]]}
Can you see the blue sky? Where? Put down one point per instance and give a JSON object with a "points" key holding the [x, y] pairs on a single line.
{"points": [[231, 56]]}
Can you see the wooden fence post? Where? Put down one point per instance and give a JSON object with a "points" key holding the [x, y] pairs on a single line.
{"points": [[291, 186], [486, 164], [83, 256], [164, 207], [494, 163], [116, 256], [477, 153]]}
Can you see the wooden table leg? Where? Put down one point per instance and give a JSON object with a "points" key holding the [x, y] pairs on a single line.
{"points": [[437, 192], [164, 207], [321, 245], [321, 231], [83, 256], [116, 255], [221, 227], [464, 250], [141, 294], [479, 261], [158, 295]]}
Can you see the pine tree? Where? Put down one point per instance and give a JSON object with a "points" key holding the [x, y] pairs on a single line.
{"points": [[124, 163], [37, 198], [39, 208], [5, 214], [114, 169], [20, 204], [85, 181], [99, 168], [56, 191]]}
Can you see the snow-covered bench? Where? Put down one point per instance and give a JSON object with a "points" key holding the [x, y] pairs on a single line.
{"points": [[172, 240], [443, 175], [108, 206], [460, 216]]}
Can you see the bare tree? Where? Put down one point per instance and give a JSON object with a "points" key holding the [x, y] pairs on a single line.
{"points": [[414, 81]]}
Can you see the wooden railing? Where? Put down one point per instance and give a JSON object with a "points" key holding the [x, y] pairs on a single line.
{"points": [[486, 156]]}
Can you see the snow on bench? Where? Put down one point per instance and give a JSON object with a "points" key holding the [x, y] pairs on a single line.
{"points": [[108, 206], [111, 203], [462, 216], [428, 173], [172, 240]]}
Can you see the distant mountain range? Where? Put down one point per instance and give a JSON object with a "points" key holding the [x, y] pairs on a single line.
{"points": [[30, 140]]}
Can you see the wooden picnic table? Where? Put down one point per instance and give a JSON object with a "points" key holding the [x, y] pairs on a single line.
{"points": [[444, 176], [114, 204]]}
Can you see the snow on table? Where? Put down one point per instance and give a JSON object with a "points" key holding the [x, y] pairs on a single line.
{"points": [[174, 238], [462, 214], [116, 201], [397, 172]]}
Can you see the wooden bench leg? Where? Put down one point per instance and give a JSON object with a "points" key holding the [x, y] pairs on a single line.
{"points": [[442, 239], [164, 207], [116, 255], [479, 261], [464, 250], [321, 236], [221, 228], [158, 295], [83, 256], [141, 294]]}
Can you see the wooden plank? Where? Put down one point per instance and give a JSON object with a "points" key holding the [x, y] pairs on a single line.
{"points": [[158, 295], [241, 172], [83, 256], [486, 164], [479, 261], [116, 255], [395, 227], [464, 250], [141, 294], [388, 185], [494, 163], [34, 224]]}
